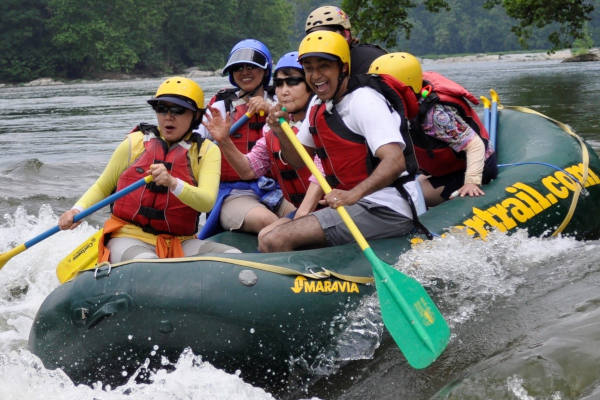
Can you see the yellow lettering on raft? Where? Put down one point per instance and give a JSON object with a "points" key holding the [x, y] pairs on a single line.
{"points": [[301, 284], [550, 183], [542, 201], [518, 209], [489, 218], [476, 225]]}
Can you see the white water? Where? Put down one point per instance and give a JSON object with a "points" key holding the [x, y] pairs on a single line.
{"points": [[24, 283], [479, 273], [75, 127]]}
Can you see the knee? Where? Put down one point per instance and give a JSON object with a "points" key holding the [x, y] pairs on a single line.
{"points": [[270, 241]]}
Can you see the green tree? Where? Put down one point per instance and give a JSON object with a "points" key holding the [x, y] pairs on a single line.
{"points": [[373, 19], [570, 16], [94, 37], [26, 51]]}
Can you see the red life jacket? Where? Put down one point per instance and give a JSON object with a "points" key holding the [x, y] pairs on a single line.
{"points": [[434, 155], [346, 157], [293, 183], [245, 137], [154, 207]]}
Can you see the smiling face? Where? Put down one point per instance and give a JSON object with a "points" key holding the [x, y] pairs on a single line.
{"points": [[173, 126], [247, 76], [291, 90], [322, 76]]}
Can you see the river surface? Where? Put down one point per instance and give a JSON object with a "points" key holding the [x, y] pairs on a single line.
{"points": [[525, 312]]}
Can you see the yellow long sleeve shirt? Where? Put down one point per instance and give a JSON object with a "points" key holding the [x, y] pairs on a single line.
{"points": [[205, 164]]}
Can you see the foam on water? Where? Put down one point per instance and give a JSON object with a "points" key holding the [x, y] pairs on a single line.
{"points": [[464, 276], [28, 278]]}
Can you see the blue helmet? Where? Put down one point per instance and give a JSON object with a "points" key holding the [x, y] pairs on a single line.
{"points": [[250, 51], [288, 60]]}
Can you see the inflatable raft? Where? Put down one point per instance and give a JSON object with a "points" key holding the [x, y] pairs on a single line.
{"points": [[258, 312]]}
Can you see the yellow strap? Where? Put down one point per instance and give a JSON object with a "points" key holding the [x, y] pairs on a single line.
{"points": [[324, 273], [585, 158]]}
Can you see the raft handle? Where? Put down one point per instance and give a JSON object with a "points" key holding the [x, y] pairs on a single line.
{"points": [[100, 268], [108, 309]]}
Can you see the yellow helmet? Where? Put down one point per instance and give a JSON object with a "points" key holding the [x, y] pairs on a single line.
{"points": [[403, 66], [325, 44], [181, 91], [327, 16]]}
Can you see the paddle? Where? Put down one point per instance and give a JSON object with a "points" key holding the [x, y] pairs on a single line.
{"points": [[408, 312], [493, 117], [486, 112], [237, 124], [4, 257]]}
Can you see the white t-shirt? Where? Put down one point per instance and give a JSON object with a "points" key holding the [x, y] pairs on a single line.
{"points": [[367, 113]]}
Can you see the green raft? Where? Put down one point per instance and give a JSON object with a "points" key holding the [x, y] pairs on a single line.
{"points": [[257, 312]]}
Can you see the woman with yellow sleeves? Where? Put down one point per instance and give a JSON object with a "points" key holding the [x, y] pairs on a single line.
{"points": [[159, 219]]}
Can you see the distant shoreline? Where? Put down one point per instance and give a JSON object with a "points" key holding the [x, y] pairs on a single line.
{"points": [[508, 57], [194, 72]]}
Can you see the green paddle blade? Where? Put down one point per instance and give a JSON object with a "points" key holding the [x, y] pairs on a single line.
{"points": [[409, 314]]}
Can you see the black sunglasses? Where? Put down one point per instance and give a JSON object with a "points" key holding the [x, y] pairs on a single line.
{"points": [[290, 81], [242, 67], [174, 110]]}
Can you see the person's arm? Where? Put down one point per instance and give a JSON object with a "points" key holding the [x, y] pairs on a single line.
{"points": [[288, 151], [367, 113], [219, 128], [447, 125], [314, 193], [202, 197], [104, 185], [391, 165], [475, 151]]}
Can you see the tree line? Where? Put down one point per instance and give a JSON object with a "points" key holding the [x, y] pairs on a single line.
{"points": [[73, 39]]}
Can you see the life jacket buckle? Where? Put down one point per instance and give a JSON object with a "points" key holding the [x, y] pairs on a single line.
{"points": [[104, 267]]}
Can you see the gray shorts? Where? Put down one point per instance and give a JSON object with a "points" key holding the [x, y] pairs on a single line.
{"points": [[374, 221]]}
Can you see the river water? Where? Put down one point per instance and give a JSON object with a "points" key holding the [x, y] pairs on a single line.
{"points": [[525, 312]]}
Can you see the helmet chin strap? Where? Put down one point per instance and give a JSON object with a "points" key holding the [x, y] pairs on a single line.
{"points": [[196, 121], [249, 93], [341, 78]]}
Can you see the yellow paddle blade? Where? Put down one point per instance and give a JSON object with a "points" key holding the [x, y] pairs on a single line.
{"points": [[4, 257], [84, 257]]}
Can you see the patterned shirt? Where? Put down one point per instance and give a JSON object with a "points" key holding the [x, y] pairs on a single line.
{"points": [[444, 123]]}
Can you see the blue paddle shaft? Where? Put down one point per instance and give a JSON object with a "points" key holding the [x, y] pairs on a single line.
{"points": [[90, 210], [486, 119], [493, 123], [237, 124]]}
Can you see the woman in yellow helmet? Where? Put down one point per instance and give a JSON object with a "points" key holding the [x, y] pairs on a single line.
{"points": [[161, 218], [451, 143]]}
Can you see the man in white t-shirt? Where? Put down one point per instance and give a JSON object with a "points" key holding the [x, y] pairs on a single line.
{"points": [[361, 149]]}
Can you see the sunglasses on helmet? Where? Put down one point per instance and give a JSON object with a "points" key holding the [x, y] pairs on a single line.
{"points": [[290, 81], [162, 108]]}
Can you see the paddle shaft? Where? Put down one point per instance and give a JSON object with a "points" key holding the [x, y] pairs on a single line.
{"points": [[493, 117], [237, 124], [78, 217], [360, 239], [486, 113]]}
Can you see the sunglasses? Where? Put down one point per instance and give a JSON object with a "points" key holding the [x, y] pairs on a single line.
{"points": [[174, 110], [244, 67], [290, 81]]}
